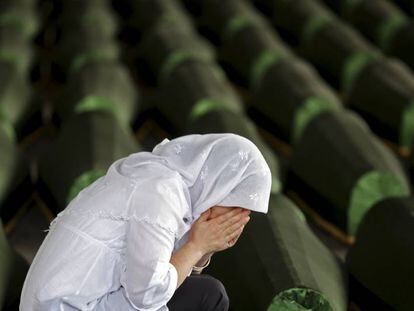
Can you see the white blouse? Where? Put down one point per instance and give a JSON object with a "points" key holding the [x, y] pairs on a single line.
{"points": [[97, 257]]}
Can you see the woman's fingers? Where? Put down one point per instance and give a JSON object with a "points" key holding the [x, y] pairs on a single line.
{"points": [[241, 217], [230, 237], [223, 217], [236, 226], [234, 240]]}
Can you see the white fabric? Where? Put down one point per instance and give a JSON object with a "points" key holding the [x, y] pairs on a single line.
{"points": [[110, 248]]}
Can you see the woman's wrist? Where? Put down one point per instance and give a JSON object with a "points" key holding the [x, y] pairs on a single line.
{"points": [[184, 260], [199, 252], [203, 261], [197, 269]]}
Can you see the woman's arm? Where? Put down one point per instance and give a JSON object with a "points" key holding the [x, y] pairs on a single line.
{"points": [[150, 280], [184, 259]]}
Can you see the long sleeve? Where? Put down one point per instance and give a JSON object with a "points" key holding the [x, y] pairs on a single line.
{"points": [[150, 279]]}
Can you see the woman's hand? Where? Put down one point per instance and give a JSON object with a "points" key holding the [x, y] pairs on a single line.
{"points": [[214, 234], [233, 241]]}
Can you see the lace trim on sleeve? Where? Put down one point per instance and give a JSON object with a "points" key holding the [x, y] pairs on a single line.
{"points": [[109, 215]]}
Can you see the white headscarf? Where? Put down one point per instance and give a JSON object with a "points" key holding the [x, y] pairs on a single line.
{"points": [[223, 169]]}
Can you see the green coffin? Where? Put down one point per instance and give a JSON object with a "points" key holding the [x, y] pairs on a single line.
{"points": [[402, 44], [383, 255], [13, 269], [333, 49], [15, 94], [168, 43], [20, 14], [84, 48], [13, 169], [15, 47], [279, 264], [96, 13], [80, 16], [103, 85], [298, 19], [146, 13], [218, 119], [343, 163], [217, 15], [261, 47], [195, 83], [384, 91], [242, 28], [86, 36], [87, 145], [322, 38], [291, 94]]}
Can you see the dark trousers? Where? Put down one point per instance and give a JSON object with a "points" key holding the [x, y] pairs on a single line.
{"points": [[200, 292]]}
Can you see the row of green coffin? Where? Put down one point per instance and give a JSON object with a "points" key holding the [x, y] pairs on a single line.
{"points": [[345, 221], [379, 87], [330, 133], [383, 23], [14, 173], [87, 144], [267, 66], [372, 171], [13, 269]]}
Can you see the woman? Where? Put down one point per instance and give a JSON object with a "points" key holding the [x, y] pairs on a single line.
{"points": [[134, 239]]}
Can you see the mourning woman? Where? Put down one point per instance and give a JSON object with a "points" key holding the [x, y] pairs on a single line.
{"points": [[139, 237]]}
